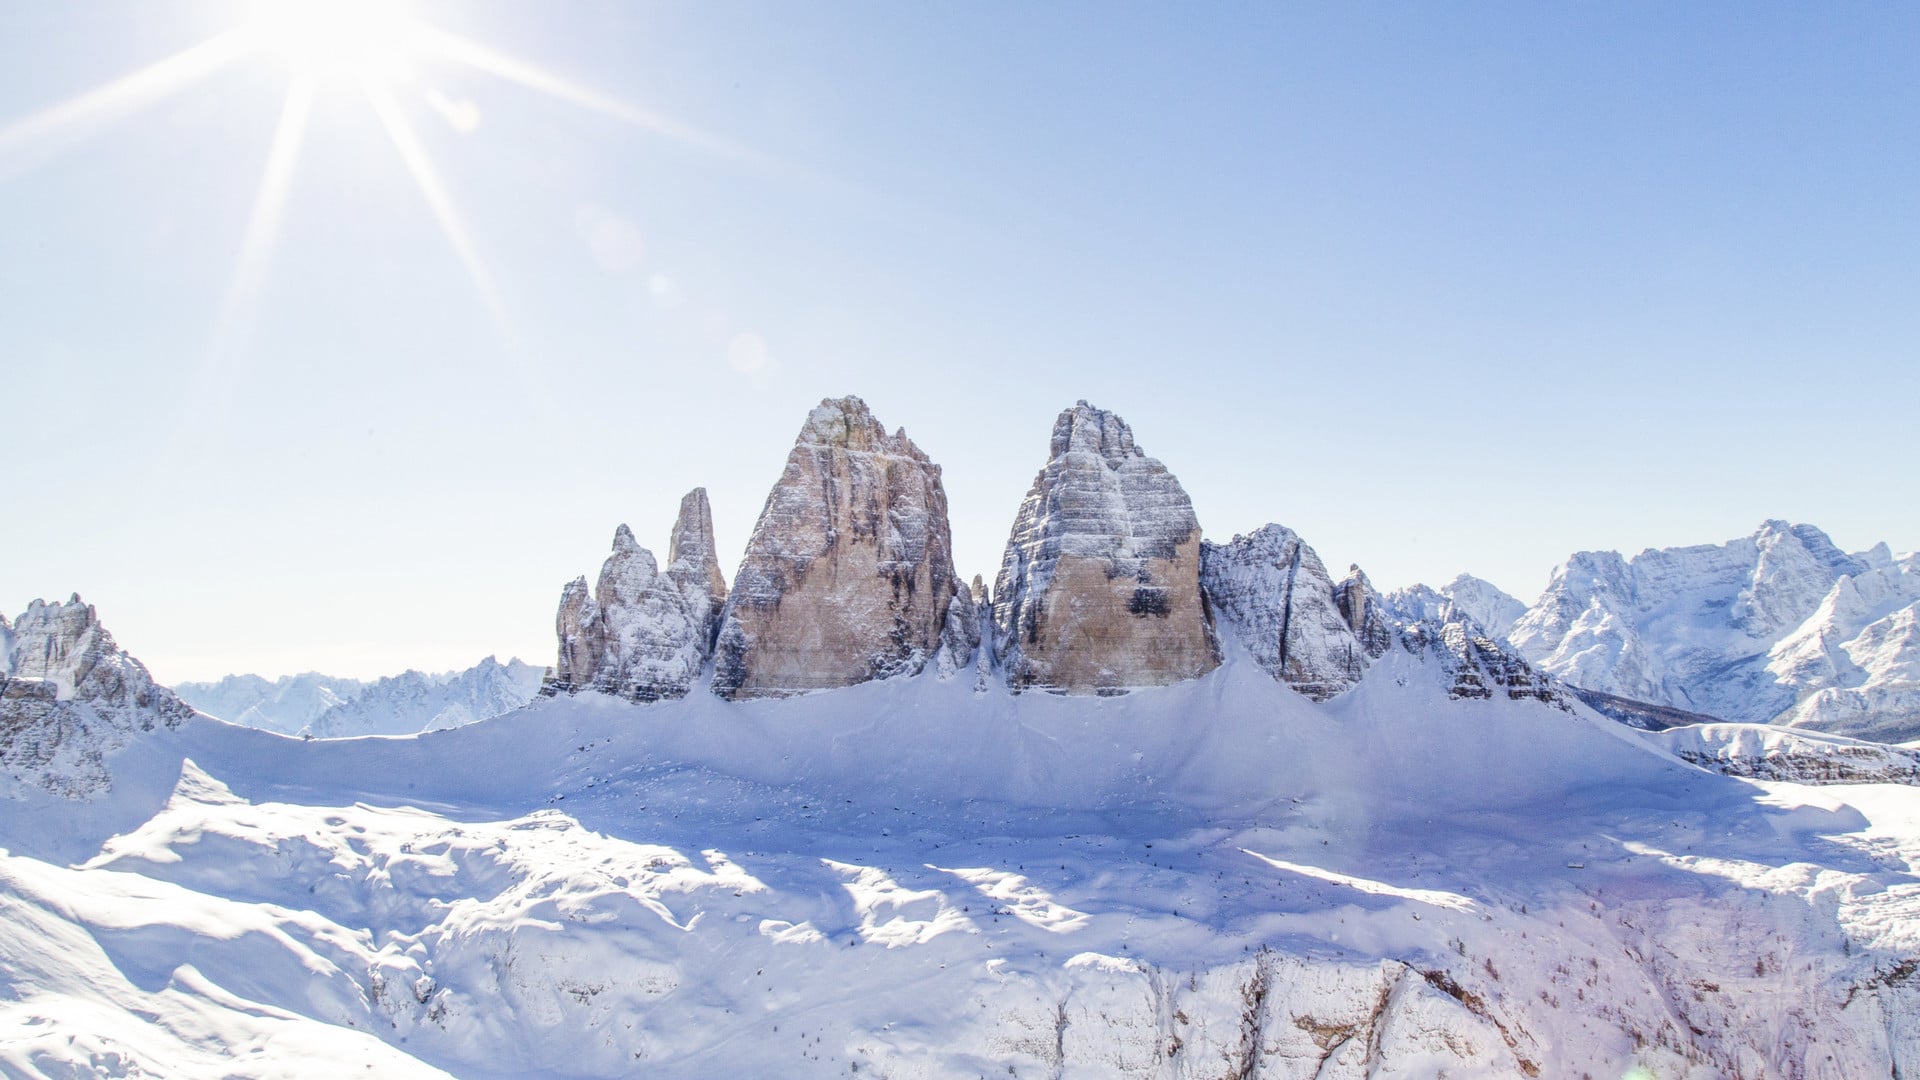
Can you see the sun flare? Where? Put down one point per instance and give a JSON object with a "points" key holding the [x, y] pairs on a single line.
{"points": [[374, 49], [358, 40]]}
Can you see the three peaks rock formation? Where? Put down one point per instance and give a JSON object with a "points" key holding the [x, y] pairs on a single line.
{"points": [[1106, 586]]}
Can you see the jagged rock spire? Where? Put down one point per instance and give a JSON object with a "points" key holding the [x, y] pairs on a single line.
{"points": [[849, 573], [691, 556], [643, 633], [1099, 590]]}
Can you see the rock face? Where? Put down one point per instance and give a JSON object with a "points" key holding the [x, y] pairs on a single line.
{"points": [[69, 697], [969, 622], [1271, 595], [1474, 662], [1360, 606], [1735, 631], [643, 633], [849, 573], [1099, 591]]}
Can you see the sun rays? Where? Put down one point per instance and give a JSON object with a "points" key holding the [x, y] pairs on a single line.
{"points": [[121, 97], [367, 47], [263, 223]]}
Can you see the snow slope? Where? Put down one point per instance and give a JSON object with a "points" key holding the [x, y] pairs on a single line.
{"points": [[912, 879]]}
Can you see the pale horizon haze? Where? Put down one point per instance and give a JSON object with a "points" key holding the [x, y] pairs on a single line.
{"points": [[346, 354]]}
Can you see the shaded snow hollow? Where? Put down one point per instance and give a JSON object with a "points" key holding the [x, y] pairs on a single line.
{"points": [[911, 879]]}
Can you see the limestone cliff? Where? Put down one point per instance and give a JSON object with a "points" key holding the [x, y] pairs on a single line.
{"points": [[849, 573], [1099, 590]]}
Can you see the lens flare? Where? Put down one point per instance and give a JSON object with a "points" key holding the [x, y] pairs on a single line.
{"points": [[358, 40]]}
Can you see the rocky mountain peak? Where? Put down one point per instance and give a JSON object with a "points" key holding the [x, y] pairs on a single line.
{"points": [[1086, 429], [640, 633], [692, 558], [849, 572], [1099, 589], [847, 424], [1273, 597], [70, 696], [1360, 605]]}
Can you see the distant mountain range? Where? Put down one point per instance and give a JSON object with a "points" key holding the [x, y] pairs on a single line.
{"points": [[1778, 627], [328, 707]]}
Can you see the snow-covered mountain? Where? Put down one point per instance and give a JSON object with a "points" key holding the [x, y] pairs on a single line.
{"points": [[414, 701], [1780, 626], [287, 704], [1855, 662], [69, 697], [327, 707], [1484, 603]]}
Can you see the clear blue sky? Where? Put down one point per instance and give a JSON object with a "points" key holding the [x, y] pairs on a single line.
{"points": [[1444, 287]]}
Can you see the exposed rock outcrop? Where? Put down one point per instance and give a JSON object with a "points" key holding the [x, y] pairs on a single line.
{"points": [[1774, 753], [1360, 605], [849, 573], [969, 622], [1474, 662], [69, 697], [1272, 596], [1099, 591], [643, 633]]}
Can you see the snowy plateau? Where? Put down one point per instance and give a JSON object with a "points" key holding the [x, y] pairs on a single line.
{"points": [[1341, 835]]}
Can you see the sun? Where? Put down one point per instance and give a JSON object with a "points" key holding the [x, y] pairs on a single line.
{"points": [[366, 47], [337, 40]]}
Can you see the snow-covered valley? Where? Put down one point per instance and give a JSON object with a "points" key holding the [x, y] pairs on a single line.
{"points": [[909, 878]]}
